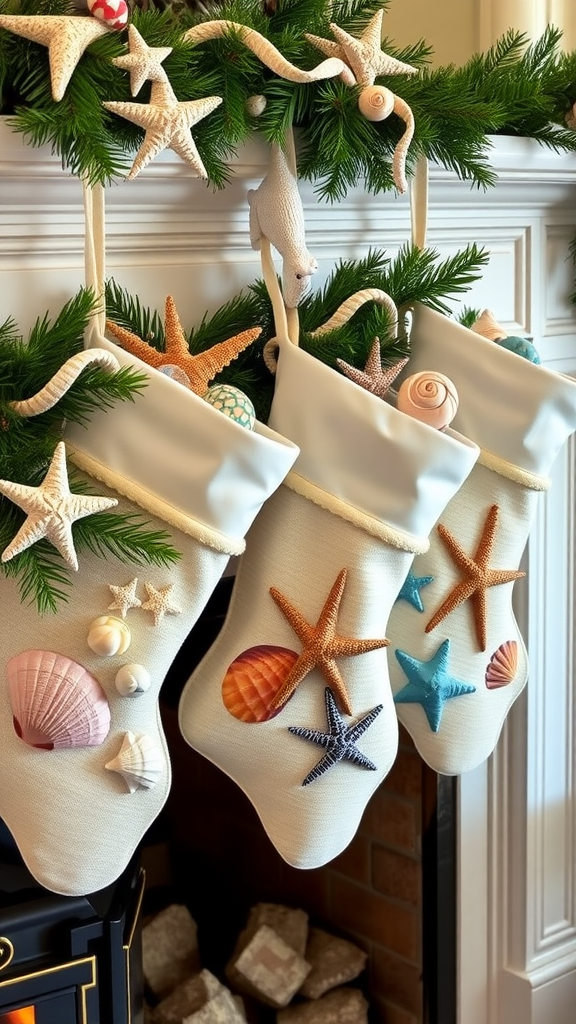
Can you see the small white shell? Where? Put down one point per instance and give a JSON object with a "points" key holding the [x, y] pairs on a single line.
{"points": [[429, 396], [488, 326], [132, 680], [256, 105], [376, 102], [139, 761], [108, 636]]}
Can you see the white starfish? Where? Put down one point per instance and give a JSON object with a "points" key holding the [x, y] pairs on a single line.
{"points": [[167, 123], [142, 61], [365, 55], [51, 510], [159, 602], [65, 37], [124, 597]]}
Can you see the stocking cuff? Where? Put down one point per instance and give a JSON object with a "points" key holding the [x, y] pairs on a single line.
{"points": [[519, 413], [376, 465], [179, 458]]}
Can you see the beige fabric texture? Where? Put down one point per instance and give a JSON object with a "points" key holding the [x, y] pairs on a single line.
{"points": [[520, 414], [299, 546]]}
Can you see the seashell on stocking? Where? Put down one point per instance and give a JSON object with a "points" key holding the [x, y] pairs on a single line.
{"points": [[108, 636], [430, 397], [488, 326], [56, 703], [253, 680], [140, 761], [502, 666]]}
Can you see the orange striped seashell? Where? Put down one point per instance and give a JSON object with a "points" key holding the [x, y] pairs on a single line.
{"points": [[253, 679], [503, 665]]}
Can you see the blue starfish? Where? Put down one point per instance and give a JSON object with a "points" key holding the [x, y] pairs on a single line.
{"points": [[430, 684], [340, 741], [410, 590]]}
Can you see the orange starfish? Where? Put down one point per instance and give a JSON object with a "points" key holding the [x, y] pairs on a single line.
{"points": [[321, 645], [200, 369], [478, 576]]}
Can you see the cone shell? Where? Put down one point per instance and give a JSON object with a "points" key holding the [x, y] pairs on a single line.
{"points": [[140, 761], [430, 397], [503, 665], [376, 102], [488, 326], [108, 636], [55, 702], [132, 680], [253, 679]]}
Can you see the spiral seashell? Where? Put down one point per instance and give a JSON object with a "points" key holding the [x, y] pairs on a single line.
{"points": [[430, 397], [376, 103], [132, 680], [253, 679], [108, 636], [63, 380], [502, 666], [56, 703], [140, 762], [488, 326]]}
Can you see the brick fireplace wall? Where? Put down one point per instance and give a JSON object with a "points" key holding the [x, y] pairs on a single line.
{"points": [[372, 893]]}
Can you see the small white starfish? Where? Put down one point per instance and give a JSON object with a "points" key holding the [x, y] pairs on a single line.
{"points": [[159, 602], [65, 37], [124, 597], [167, 124], [142, 61], [51, 510], [365, 55]]}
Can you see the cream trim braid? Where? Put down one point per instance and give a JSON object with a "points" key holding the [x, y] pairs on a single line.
{"points": [[155, 505], [382, 531], [512, 472]]}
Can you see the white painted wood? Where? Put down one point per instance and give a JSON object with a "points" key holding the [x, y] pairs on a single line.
{"points": [[168, 233]]}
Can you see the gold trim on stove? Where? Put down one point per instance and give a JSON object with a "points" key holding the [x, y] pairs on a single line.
{"points": [[128, 944], [5, 944], [84, 987]]}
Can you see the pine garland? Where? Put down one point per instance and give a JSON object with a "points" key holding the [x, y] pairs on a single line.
{"points": [[514, 88], [27, 445]]}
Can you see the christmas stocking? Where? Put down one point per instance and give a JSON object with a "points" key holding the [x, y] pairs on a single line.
{"points": [[83, 759], [293, 700], [457, 659]]}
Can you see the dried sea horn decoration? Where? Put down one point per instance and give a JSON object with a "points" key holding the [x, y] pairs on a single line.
{"points": [[488, 326], [56, 703], [376, 103], [139, 761], [264, 50], [347, 309], [429, 396], [63, 380]]}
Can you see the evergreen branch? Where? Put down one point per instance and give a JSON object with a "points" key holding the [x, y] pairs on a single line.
{"points": [[416, 276], [41, 575], [124, 535], [127, 311]]}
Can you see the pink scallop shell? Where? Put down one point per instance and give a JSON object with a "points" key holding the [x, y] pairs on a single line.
{"points": [[253, 679], [430, 397], [502, 666], [56, 703]]}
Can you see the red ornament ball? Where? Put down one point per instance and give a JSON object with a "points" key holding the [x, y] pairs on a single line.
{"points": [[113, 13]]}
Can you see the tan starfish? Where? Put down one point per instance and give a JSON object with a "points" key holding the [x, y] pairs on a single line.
{"points": [[142, 61], [373, 378], [124, 597], [200, 369], [51, 509], [321, 645], [65, 37], [159, 602], [478, 576], [365, 55]]}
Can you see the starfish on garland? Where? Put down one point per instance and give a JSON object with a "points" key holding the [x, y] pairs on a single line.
{"points": [[142, 61], [340, 740], [373, 378], [65, 37], [167, 125], [201, 368], [478, 576], [124, 597], [430, 683], [365, 55], [321, 644], [159, 602], [51, 509], [410, 590]]}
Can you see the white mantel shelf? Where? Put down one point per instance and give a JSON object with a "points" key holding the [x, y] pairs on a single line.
{"points": [[167, 232]]}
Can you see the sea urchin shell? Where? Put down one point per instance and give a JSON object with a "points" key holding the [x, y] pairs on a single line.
{"points": [[253, 679], [56, 703], [502, 666]]}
